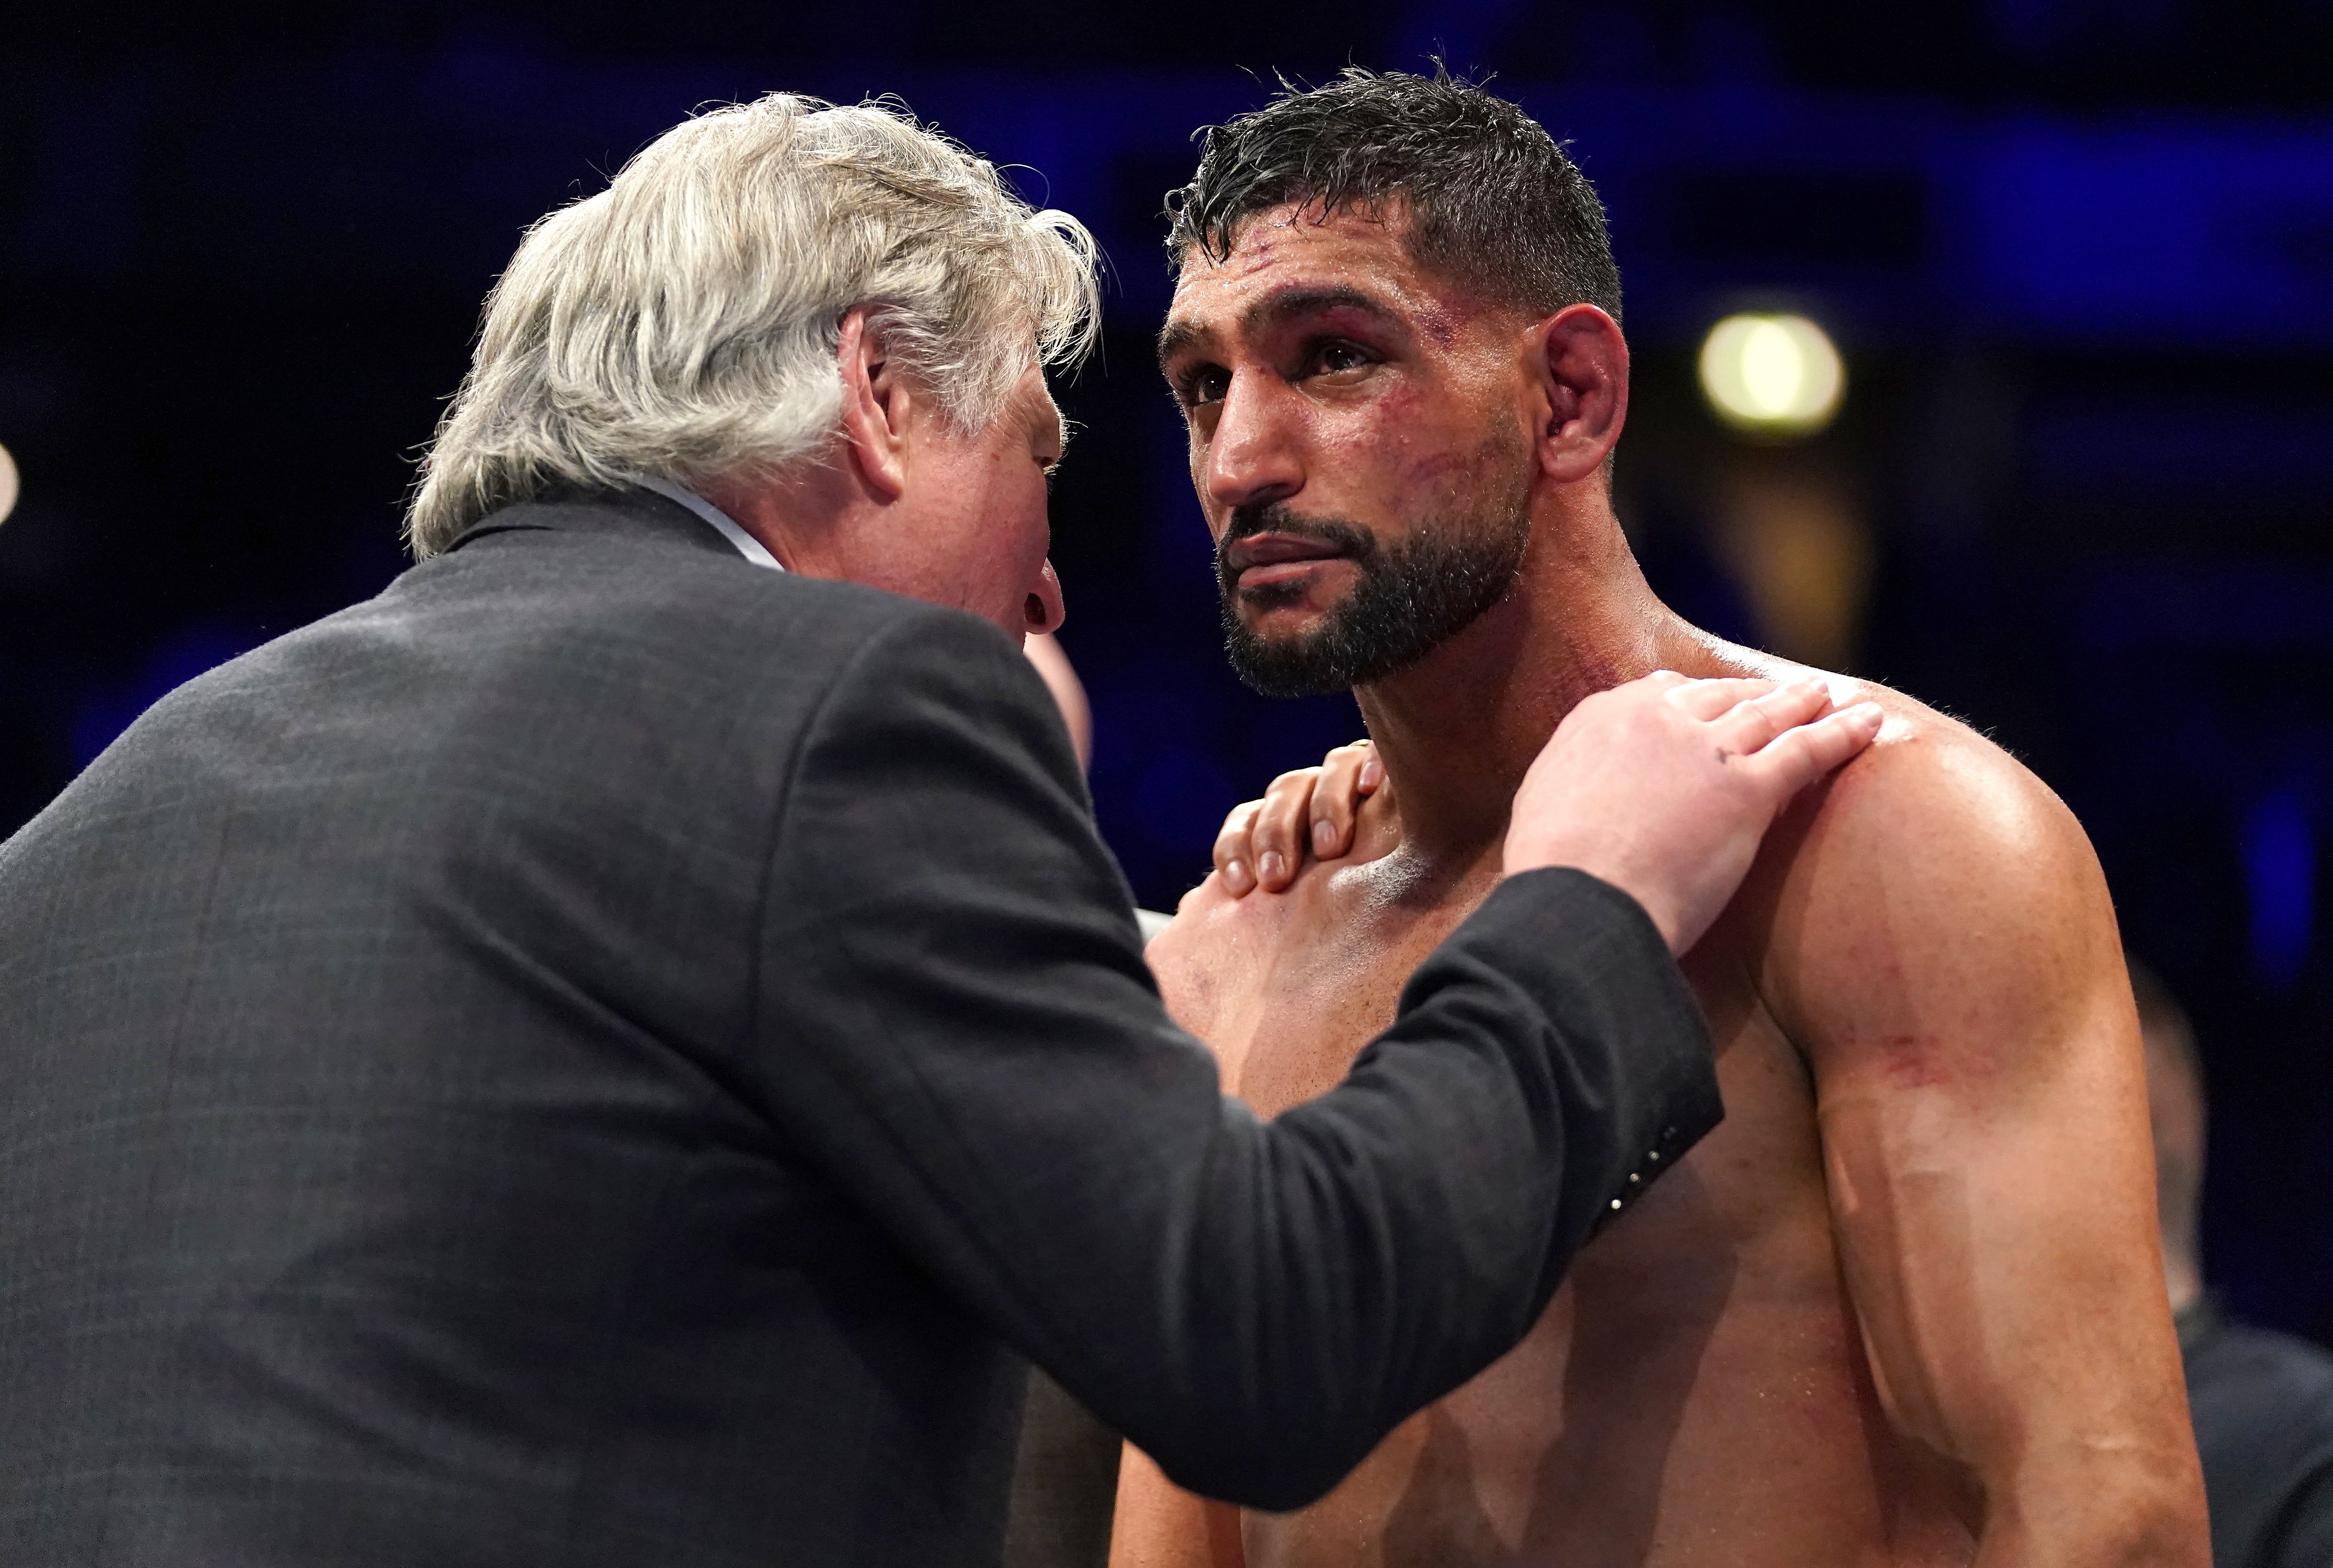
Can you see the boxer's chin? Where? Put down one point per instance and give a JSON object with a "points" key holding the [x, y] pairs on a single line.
{"points": [[1291, 664], [1405, 603], [1364, 637]]}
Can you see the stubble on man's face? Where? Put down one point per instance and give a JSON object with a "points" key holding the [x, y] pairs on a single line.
{"points": [[1442, 574]]}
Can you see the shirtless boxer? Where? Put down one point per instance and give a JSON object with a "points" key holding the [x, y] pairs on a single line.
{"points": [[1906, 1306]]}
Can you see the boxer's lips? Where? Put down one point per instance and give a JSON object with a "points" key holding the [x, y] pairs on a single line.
{"points": [[1262, 560]]}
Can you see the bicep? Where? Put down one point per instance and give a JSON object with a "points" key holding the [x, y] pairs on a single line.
{"points": [[1996, 1230], [1983, 1107]]}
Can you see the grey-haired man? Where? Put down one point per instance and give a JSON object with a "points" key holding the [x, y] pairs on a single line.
{"points": [[598, 1055]]}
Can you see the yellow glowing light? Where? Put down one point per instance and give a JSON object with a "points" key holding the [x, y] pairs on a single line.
{"points": [[8, 484], [1771, 375]]}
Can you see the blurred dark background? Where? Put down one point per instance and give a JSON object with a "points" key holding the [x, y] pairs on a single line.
{"points": [[2078, 255]]}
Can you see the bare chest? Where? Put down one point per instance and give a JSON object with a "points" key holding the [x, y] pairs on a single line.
{"points": [[1287, 991], [1698, 1383]]}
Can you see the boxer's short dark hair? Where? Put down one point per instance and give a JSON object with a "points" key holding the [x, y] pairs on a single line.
{"points": [[1494, 204]]}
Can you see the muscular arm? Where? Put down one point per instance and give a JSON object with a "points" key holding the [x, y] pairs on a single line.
{"points": [[1945, 952]]}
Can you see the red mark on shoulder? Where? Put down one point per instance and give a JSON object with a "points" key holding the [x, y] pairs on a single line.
{"points": [[1912, 1061], [1923, 1061]]}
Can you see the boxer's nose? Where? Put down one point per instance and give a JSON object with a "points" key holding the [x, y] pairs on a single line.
{"points": [[1250, 459]]}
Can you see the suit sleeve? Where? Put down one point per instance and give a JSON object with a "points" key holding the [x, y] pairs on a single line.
{"points": [[956, 1019]]}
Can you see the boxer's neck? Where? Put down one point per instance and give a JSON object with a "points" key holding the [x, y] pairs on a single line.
{"points": [[1457, 730]]}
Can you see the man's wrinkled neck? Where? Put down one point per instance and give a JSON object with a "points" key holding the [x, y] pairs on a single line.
{"points": [[1458, 728], [806, 515]]}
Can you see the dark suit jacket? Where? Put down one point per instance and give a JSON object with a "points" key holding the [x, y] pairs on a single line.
{"points": [[2262, 1404], [593, 1058]]}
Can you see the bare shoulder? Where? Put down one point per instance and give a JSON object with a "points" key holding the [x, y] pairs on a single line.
{"points": [[1930, 789], [1933, 798], [1934, 877]]}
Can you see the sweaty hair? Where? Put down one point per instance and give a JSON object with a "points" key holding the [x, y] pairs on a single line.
{"points": [[684, 322], [1494, 205]]}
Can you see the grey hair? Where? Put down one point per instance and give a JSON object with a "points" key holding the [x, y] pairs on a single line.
{"points": [[685, 322]]}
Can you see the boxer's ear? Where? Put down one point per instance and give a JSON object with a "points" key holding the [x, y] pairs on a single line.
{"points": [[875, 407], [1578, 363]]}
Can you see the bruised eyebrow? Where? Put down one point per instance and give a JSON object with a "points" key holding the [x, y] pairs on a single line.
{"points": [[1276, 308]]}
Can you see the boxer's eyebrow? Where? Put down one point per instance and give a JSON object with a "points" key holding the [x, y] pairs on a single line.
{"points": [[1277, 307], [1176, 336], [1284, 305]]}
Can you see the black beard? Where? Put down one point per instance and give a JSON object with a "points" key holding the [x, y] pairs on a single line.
{"points": [[1411, 598]]}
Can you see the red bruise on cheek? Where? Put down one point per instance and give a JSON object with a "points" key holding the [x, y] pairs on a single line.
{"points": [[1440, 465], [1390, 418]]}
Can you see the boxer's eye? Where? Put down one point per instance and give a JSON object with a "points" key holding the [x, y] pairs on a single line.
{"points": [[1203, 385], [1340, 357]]}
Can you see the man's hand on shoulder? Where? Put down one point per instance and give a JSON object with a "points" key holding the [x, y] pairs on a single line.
{"points": [[1662, 787], [1666, 787], [1307, 813]]}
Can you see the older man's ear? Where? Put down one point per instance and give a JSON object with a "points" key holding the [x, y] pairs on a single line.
{"points": [[877, 402]]}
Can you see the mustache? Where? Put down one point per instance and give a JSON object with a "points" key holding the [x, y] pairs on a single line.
{"points": [[1348, 539]]}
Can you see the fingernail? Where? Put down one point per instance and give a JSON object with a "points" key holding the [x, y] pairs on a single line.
{"points": [[1372, 773], [1236, 876], [1324, 838], [1271, 865], [1869, 713]]}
